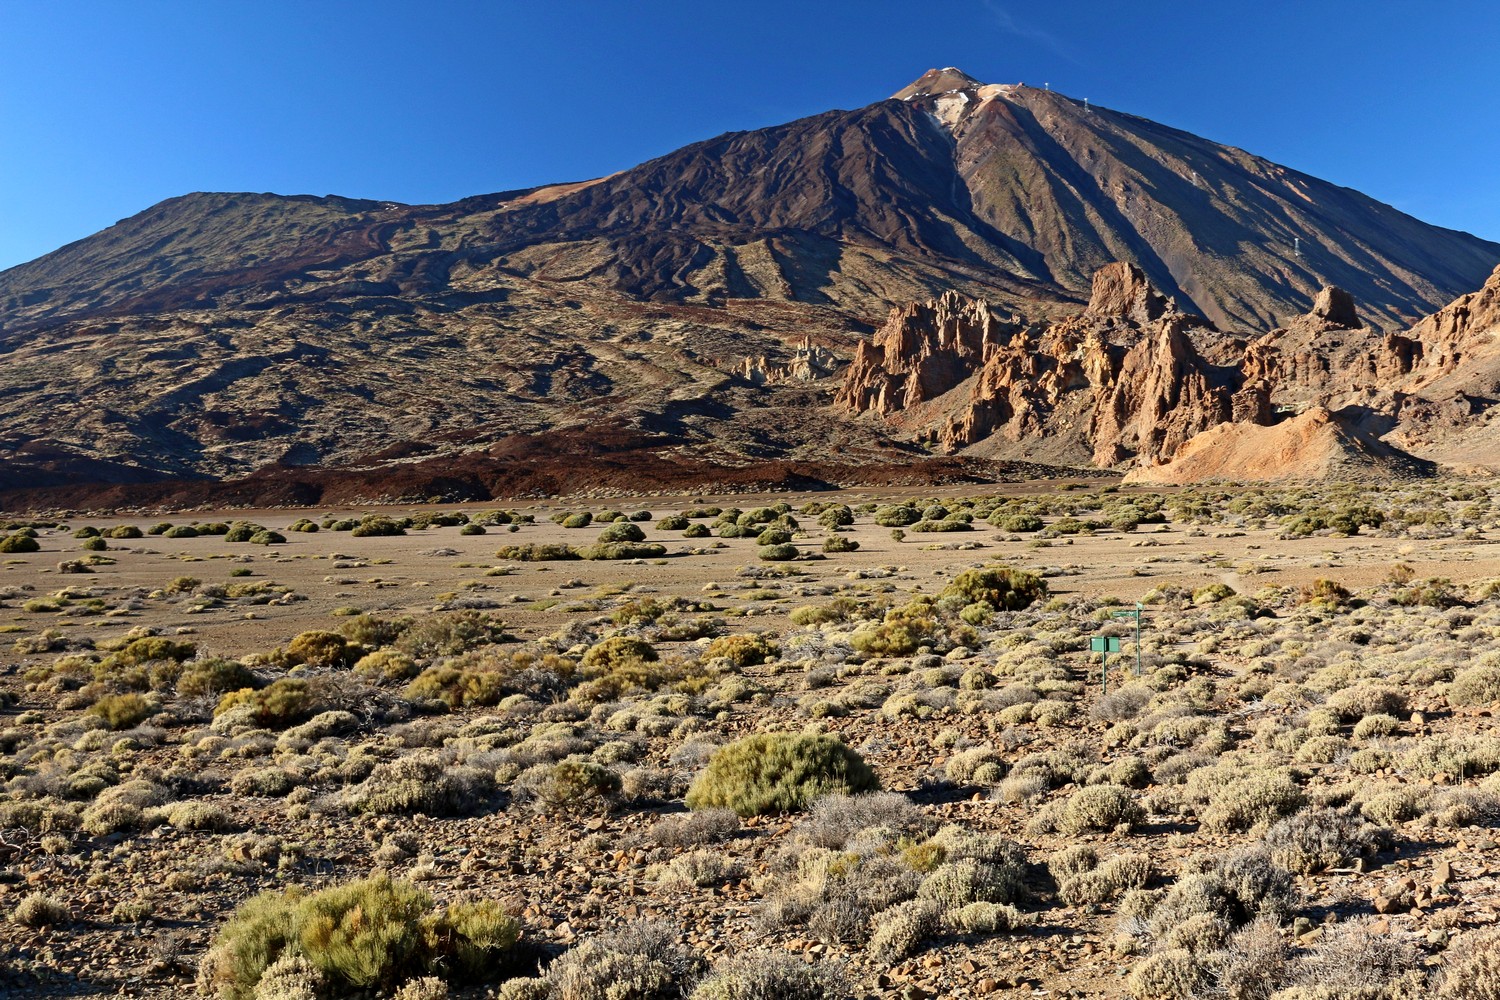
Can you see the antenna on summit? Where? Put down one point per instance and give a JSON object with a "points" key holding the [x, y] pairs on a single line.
{"points": [[1046, 85], [1296, 246], [1086, 104]]}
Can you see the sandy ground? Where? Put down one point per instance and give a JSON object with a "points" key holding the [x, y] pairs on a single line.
{"points": [[414, 573]]}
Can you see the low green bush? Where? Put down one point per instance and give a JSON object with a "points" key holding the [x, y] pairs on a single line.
{"points": [[372, 934], [15, 544], [276, 706], [376, 525], [779, 772], [1001, 587], [534, 552], [122, 711]]}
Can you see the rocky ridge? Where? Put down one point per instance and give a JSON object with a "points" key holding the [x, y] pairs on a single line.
{"points": [[1141, 386]]}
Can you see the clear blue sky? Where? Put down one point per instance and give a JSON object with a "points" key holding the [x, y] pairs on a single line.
{"points": [[107, 107]]}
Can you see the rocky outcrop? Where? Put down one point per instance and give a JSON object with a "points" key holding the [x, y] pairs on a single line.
{"points": [[1121, 291], [923, 351], [1454, 334], [808, 363], [1335, 307], [1316, 444], [1122, 382], [1163, 395]]}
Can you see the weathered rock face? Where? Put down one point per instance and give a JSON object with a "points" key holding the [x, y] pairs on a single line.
{"points": [[1446, 339], [923, 351], [1122, 382], [1336, 307], [1132, 382], [1121, 291], [808, 363]]}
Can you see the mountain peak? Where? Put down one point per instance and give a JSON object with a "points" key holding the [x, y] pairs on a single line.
{"points": [[937, 81]]}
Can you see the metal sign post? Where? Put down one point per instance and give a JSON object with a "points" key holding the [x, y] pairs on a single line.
{"points": [[1104, 645], [1139, 610]]}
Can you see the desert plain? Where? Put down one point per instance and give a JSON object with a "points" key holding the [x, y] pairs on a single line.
{"points": [[1287, 790]]}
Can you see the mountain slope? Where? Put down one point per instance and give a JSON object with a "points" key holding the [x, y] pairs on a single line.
{"points": [[217, 334]]}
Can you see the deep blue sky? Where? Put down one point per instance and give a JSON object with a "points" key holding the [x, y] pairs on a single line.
{"points": [[109, 106]]}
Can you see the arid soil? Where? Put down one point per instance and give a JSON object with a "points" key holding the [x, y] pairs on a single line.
{"points": [[1278, 623]]}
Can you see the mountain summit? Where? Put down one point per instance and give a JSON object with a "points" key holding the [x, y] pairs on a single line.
{"points": [[937, 81], [216, 334]]}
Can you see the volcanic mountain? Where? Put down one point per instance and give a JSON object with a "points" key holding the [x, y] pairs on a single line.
{"points": [[693, 310]]}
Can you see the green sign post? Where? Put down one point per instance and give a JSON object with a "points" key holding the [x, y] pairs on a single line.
{"points": [[1104, 645], [1139, 610]]}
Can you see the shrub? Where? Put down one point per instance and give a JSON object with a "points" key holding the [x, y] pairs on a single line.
{"points": [[639, 962], [1001, 587], [181, 531], [240, 531], [38, 910], [198, 816], [618, 650], [767, 975], [1353, 704], [574, 784], [985, 918], [267, 537], [386, 666], [420, 784], [622, 531], [696, 531], [1473, 971], [122, 711], [839, 543], [449, 633], [1477, 686], [213, 677], [1173, 974], [94, 544], [1096, 807], [969, 880], [702, 827], [741, 650], [18, 544], [374, 525], [902, 631], [532, 552], [1250, 800], [623, 550], [1357, 959], [318, 649], [1212, 593], [1017, 523], [1106, 882], [779, 772], [368, 934], [1316, 839], [124, 531], [897, 516], [836, 819], [282, 703], [900, 930], [784, 552], [947, 524], [150, 648]]}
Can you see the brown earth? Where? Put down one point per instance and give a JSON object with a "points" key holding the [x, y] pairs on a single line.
{"points": [[140, 905]]}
